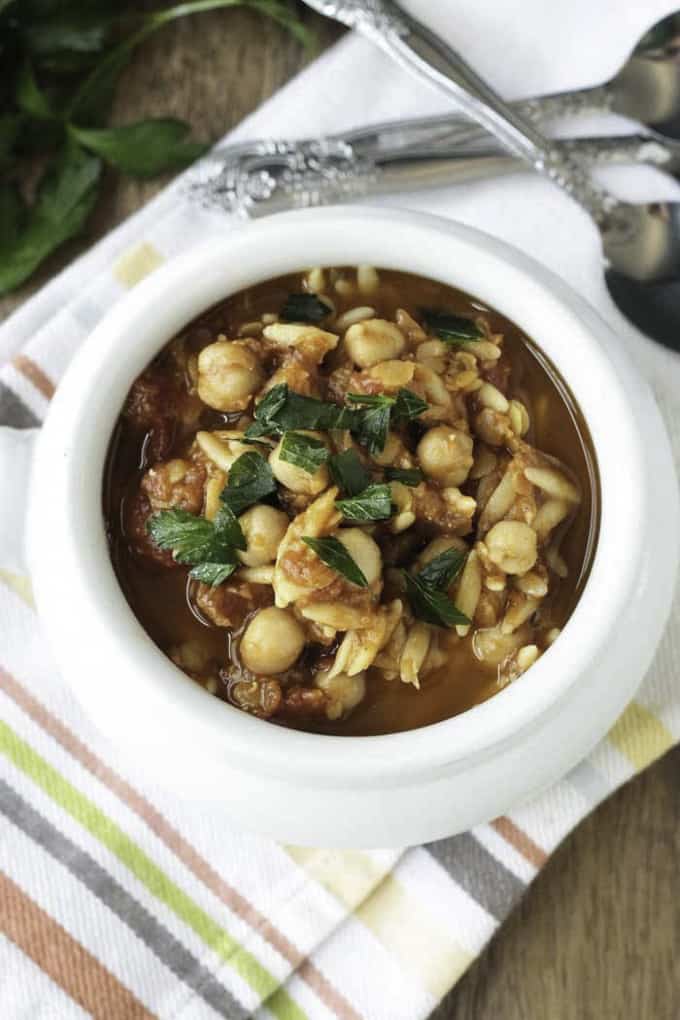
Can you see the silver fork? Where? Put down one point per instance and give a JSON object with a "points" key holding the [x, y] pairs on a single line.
{"points": [[298, 174]]}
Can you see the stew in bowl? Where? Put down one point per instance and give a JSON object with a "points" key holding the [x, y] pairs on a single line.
{"points": [[351, 500]]}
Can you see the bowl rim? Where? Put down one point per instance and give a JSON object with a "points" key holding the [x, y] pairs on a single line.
{"points": [[74, 443]]}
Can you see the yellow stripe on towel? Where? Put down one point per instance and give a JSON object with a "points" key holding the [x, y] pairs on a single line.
{"points": [[640, 736], [410, 933], [349, 875], [20, 585]]}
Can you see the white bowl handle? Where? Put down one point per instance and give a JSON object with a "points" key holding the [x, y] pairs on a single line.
{"points": [[16, 456]]}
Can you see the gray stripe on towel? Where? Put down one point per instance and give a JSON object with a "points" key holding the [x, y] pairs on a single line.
{"points": [[478, 872], [14, 412], [101, 884]]}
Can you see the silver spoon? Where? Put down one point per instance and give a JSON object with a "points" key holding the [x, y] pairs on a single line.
{"points": [[645, 89], [641, 241]]}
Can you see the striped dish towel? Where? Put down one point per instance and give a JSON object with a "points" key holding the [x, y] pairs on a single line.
{"points": [[120, 901]]}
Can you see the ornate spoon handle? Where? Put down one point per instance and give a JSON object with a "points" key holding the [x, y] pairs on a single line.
{"points": [[419, 50]]}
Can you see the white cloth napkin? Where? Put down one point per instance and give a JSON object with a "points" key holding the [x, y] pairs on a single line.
{"points": [[119, 900]]}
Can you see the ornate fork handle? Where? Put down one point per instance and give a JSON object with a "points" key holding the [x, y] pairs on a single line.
{"points": [[274, 176], [269, 176]]}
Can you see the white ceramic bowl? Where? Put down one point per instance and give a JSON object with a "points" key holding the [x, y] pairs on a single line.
{"points": [[367, 791]]}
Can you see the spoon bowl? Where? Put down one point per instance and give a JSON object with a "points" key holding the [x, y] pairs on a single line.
{"points": [[647, 88]]}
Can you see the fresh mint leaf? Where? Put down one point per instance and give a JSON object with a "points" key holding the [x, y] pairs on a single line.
{"points": [[348, 473], [283, 410], [441, 571], [227, 526], [145, 148], [208, 545], [371, 399], [305, 452], [192, 539], [250, 480], [213, 573], [373, 504], [66, 196], [408, 406], [431, 605], [29, 97], [374, 425], [333, 553], [407, 476], [451, 328], [304, 308], [377, 412]]}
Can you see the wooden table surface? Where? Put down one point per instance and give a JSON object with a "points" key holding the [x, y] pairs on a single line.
{"points": [[598, 933]]}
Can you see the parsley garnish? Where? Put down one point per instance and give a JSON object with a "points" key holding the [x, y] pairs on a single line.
{"points": [[213, 573], [373, 504], [451, 328], [305, 452], [349, 474], [407, 476], [197, 541], [427, 590], [283, 410], [408, 405], [441, 571], [431, 605], [333, 553], [250, 480], [374, 425], [378, 410], [210, 546], [304, 308]]}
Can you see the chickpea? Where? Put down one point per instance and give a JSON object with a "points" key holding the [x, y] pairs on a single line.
{"points": [[228, 375], [344, 692], [392, 449], [445, 454], [263, 528], [272, 642], [512, 546], [296, 478], [363, 550], [372, 341]]}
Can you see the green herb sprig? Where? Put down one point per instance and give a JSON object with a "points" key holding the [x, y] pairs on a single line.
{"points": [[305, 452], [250, 480], [379, 411], [61, 65], [427, 590], [195, 540], [407, 476], [283, 410], [373, 504], [333, 553], [348, 472], [304, 308], [453, 329], [210, 546]]}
